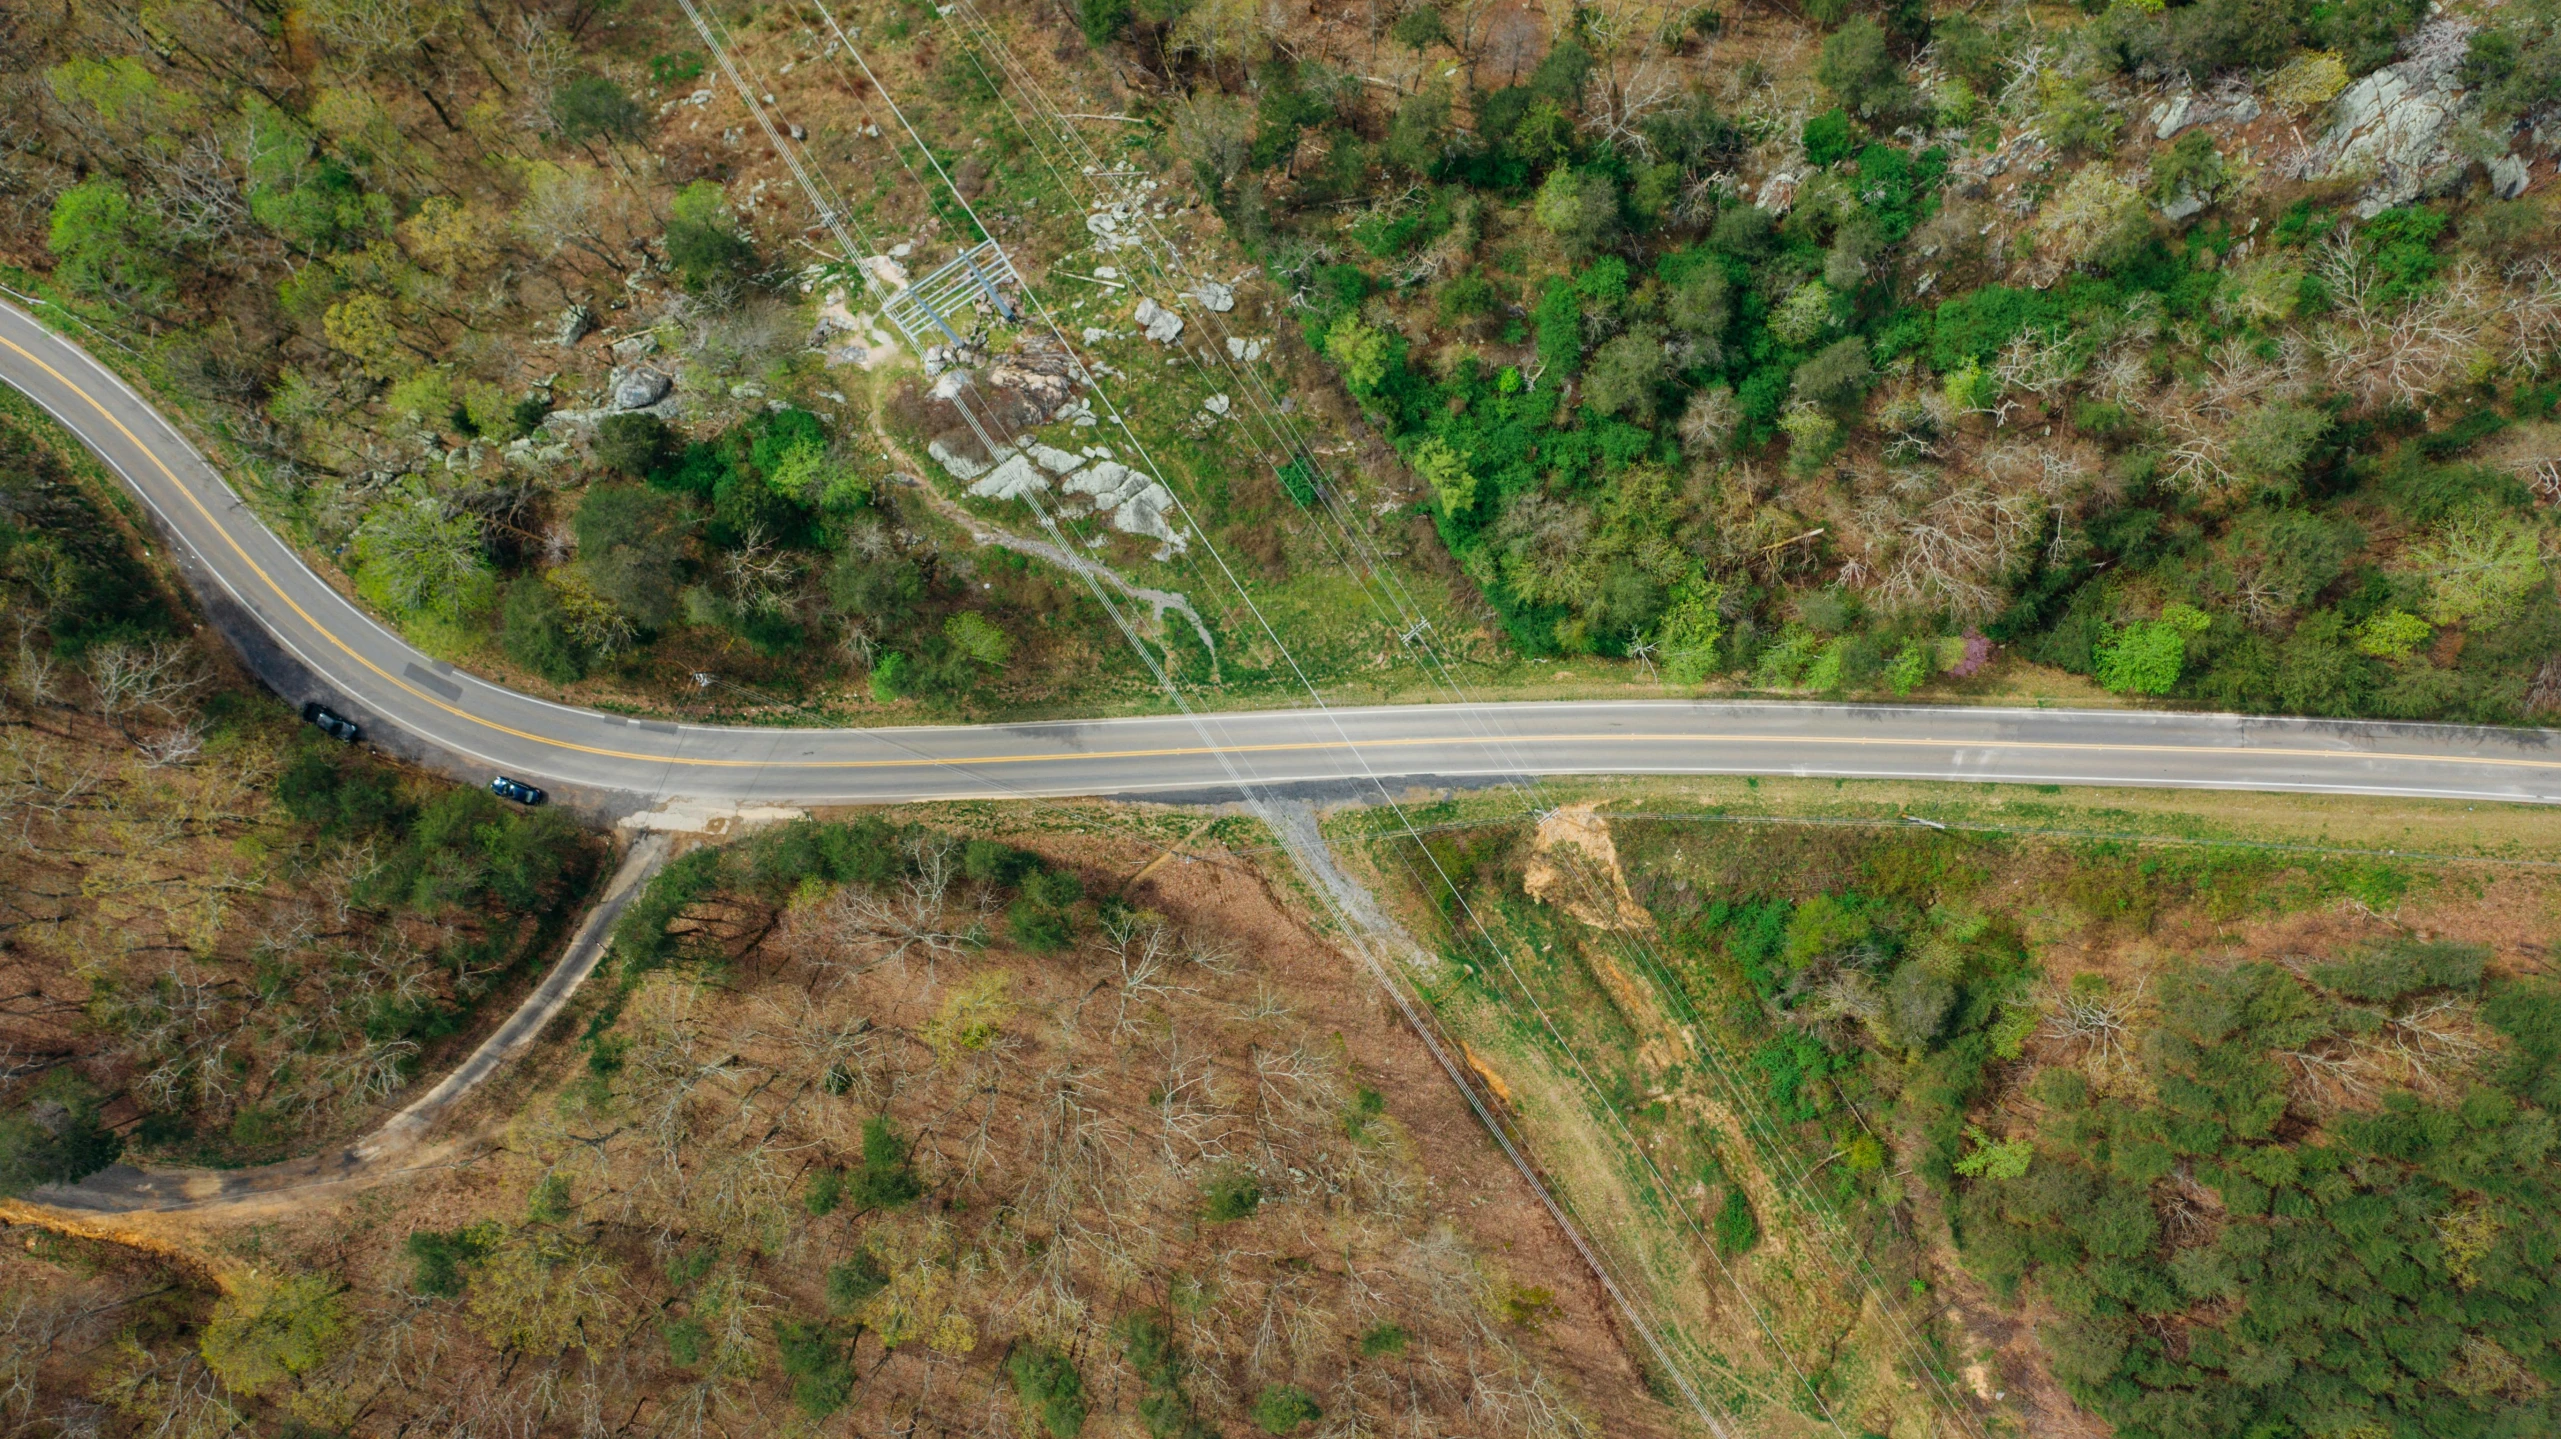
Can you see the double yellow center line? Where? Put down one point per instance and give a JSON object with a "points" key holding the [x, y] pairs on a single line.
{"points": [[1526, 741]]}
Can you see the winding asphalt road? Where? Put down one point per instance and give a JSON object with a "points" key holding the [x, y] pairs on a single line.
{"points": [[308, 641]]}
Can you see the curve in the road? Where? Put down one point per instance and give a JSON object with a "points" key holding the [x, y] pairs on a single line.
{"points": [[309, 641]]}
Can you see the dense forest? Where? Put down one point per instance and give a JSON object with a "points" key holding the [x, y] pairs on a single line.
{"points": [[1852, 353], [1988, 1124], [1997, 327]]}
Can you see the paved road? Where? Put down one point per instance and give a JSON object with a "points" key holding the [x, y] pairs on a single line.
{"points": [[309, 642]]}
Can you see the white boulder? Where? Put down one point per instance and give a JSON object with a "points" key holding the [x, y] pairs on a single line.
{"points": [[1162, 325]]}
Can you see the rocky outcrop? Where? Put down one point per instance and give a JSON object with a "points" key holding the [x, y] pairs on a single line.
{"points": [[1132, 502], [2397, 126]]}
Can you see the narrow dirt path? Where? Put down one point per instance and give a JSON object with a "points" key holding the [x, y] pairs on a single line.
{"points": [[400, 1145]]}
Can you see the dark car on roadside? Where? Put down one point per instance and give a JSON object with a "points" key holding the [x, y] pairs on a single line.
{"points": [[517, 790], [332, 723]]}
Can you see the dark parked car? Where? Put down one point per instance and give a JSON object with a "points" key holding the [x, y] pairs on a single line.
{"points": [[516, 789], [332, 723]]}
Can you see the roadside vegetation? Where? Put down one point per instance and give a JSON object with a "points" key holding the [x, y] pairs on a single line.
{"points": [[2191, 1134], [1848, 353], [908, 1121], [226, 935], [1859, 353]]}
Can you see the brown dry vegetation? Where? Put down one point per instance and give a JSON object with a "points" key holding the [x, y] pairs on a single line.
{"points": [[641, 1237], [227, 970]]}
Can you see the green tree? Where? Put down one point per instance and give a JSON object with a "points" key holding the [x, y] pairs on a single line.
{"points": [[976, 636], [1698, 309], [821, 1373], [1837, 375], [270, 1328], [366, 327], [637, 446], [56, 1138], [1626, 374], [1102, 20], [590, 107], [105, 249], [2480, 566], [2272, 442], [1360, 350], [415, 556], [1579, 208], [1445, 470], [1692, 624], [883, 593], [701, 243], [1858, 68], [887, 1178], [1419, 28], [1050, 1388], [1284, 1408], [630, 543]]}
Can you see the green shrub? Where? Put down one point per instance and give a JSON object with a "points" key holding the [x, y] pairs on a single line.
{"points": [[1827, 138], [1384, 1340], [1050, 1388], [1284, 1408], [533, 629], [2146, 657], [887, 1178], [852, 1284], [1736, 1229], [437, 1257], [1231, 1194], [826, 1191], [821, 1373], [1102, 21]]}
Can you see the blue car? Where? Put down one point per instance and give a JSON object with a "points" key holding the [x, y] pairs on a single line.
{"points": [[517, 790]]}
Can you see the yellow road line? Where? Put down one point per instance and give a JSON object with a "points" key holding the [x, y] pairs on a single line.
{"points": [[1188, 751]]}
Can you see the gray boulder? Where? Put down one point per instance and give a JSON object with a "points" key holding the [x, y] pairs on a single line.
{"points": [[637, 387]]}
